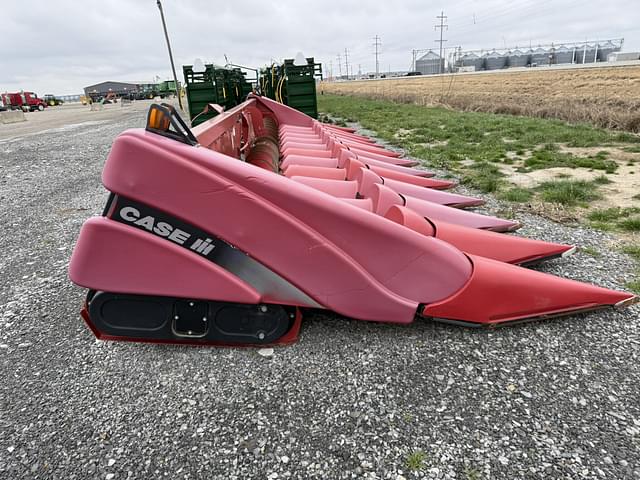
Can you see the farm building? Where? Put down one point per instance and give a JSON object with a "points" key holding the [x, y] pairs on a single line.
{"points": [[430, 63], [104, 88]]}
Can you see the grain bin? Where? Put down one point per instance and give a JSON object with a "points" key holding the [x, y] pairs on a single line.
{"points": [[517, 58], [606, 49], [540, 56], [472, 60], [430, 63], [563, 54], [586, 53], [495, 61]]}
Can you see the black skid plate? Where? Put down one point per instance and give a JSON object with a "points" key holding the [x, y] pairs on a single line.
{"points": [[162, 319]]}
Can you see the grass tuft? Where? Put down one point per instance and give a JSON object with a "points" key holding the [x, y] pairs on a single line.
{"points": [[483, 176], [516, 194], [471, 473], [616, 218], [634, 286], [602, 180], [633, 250], [568, 192], [549, 156], [605, 215], [415, 460], [630, 224], [590, 251]]}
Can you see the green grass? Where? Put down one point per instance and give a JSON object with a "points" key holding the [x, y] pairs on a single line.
{"points": [[471, 473], [549, 156], [568, 192], [516, 194], [602, 180], [415, 460], [590, 251], [630, 224], [609, 219], [483, 176], [633, 250], [634, 286], [474, 135], [605, 215]]}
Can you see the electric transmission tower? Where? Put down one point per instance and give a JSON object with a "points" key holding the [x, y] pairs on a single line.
{"points": [[340, 65], [376, 44], [346, 61], [442, 26]]}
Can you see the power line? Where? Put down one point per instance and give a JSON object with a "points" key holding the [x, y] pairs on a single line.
{"points": [[539, 9], [376, 44], [486, 13], [442, 26]]}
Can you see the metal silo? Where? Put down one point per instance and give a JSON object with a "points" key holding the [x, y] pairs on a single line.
{"points": [[517, 58], [586, 53], [495, 61], [473, 60], [430, 63], [563, 54], [605, 49], [540, 56]]}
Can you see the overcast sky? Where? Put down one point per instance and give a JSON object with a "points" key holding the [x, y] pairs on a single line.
{"points": [[61, 46]]}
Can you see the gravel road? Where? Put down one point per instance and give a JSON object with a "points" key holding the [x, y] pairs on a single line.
{"points": [[556, 399]]}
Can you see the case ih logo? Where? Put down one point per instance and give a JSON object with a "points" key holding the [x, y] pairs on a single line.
{"points": [[165, 227]]}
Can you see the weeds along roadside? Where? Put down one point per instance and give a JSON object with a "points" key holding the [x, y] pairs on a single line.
{"points": [[487, 152]]}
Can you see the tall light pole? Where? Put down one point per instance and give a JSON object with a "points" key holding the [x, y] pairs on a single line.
{"points": [[173, 68]]}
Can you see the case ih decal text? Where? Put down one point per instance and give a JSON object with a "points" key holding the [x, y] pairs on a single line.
{"points": [[163, 227]]}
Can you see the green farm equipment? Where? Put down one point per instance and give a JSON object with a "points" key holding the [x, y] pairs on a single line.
{"points": [[167, 88], [226, 87], [293, 84]]}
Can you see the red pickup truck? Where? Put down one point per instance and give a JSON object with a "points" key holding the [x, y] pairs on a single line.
{"points": [[27, 101]]}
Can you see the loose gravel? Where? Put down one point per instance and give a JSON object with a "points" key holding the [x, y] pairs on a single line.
{"points": [[555, 399]]}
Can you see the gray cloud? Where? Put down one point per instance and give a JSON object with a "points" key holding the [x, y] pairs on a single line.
{"points": [[60, 46]]}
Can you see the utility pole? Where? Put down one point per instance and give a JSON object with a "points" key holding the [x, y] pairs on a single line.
{"points": [[442, 26], [340, 65], [346, 62], [173, 68], [376, 44], [359, 70], [331, 69], [414, 52]]}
